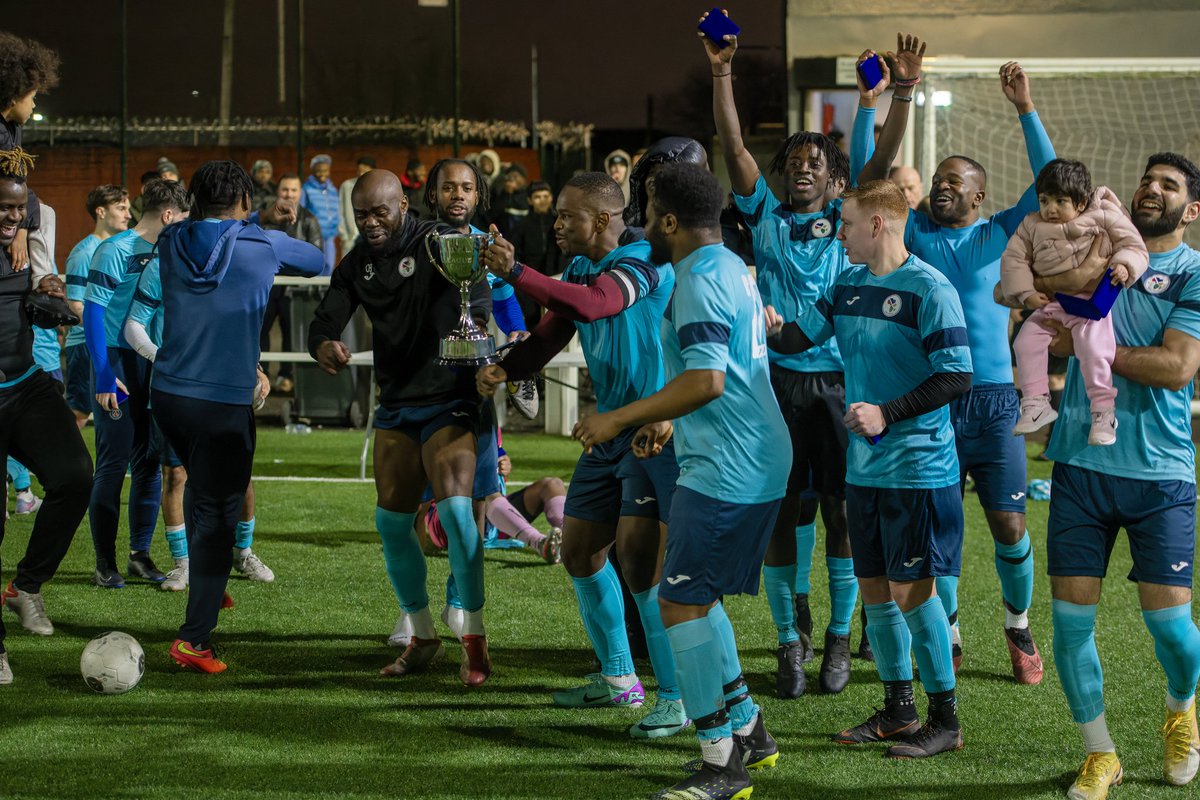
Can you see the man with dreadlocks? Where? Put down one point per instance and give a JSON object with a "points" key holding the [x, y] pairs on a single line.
{"points": [[36, 427], [429, 418], [216, 271], [798, 258]]}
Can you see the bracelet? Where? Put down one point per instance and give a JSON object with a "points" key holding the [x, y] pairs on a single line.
{"points": [[910, 82], [901, 98], [722, 74]]}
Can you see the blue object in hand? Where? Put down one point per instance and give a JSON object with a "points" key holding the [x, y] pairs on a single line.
{"points": [[874, 440], [716, 26], [1098, 306]]}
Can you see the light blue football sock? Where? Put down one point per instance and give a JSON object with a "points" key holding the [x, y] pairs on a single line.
{"points": [[843, 594], [452, 598], [779, 585], [931, 645], [657, 644], [738, 702], [243, 538], [466, 549], [890, 640], [1177, 645], [19, 474], [947, 590], [403, 559], [1077, 660], [603, 612], [806, 540], [696, 652], [177, 542], [1014, 565]]}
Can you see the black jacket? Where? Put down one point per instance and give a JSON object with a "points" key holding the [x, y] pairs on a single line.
{"points": [[535, 245], [306, 228], [10, 137], [16, 335], [409, 313]]}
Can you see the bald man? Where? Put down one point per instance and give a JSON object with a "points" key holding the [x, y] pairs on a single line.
{"points": [[909, 182], [429, 416]]}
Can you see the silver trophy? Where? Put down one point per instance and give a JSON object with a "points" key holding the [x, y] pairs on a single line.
{"points": [[456, 256]]}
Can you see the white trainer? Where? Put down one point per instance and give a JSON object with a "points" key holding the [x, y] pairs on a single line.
{"points": [[403, 632], [6, 676], [525, 397], [1104, 428], [253, 568], [30, 609], [177, 578], [1036, 413]]}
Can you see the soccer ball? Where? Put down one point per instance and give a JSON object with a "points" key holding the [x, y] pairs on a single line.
{"points": [[112, 663]]}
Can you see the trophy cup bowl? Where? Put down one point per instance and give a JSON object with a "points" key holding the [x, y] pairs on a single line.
{"points": [[456, 256]]}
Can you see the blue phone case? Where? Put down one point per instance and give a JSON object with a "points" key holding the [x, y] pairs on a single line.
{"points": [[121, 396], [716, 26], [870, 72]]}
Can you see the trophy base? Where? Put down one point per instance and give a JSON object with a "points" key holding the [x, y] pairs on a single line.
{"points": [[473, 350]]}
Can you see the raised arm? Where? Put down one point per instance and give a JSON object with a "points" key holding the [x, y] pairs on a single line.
{"points": [[743, 171], [1015, 85], [907, 59]]}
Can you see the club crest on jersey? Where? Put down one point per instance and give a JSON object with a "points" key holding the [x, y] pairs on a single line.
{"points": [[1156, 283], [891, 305], [369, 271], [821, 228], [408, 265]]}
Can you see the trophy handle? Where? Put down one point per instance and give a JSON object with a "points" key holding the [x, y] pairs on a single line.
{"points": [[432, 236]]}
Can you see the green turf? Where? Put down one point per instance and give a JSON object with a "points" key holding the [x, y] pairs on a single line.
{"points": [[302, 713]]}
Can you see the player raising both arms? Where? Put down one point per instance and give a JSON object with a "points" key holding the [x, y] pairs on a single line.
{"points": [[429, 417], [798, 257], [903, 503]]}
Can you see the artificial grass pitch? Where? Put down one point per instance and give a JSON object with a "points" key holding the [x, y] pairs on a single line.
{"points": [[302, 713]]}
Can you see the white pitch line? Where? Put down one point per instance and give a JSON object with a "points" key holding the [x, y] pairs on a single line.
{"points": [[303, 479]]}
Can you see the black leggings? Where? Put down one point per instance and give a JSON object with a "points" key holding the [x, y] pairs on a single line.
{"points": [[279, 306], [215, 443], [38, 429]]}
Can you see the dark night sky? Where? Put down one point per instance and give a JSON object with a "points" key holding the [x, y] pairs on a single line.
{"points": [[388, 57]]}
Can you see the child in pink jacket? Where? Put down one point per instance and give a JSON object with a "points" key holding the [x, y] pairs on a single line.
{"points": [[1055, 240]]}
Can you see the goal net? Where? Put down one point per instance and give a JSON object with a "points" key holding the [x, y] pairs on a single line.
{"points": [[1110, 115]]}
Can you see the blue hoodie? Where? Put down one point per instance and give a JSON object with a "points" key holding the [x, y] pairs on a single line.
{"points": [[321, 199], [216, 276]]}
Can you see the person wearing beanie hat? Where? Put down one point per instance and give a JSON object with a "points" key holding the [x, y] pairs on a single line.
{"points": [[320, 196], [264, 187], [167, 170]]}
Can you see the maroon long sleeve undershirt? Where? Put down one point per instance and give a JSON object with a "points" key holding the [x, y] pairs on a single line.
{"points": [[604, 298]]}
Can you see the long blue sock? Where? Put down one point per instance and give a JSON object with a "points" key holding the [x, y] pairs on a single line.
{"points": [[1177, 645], [738, 702], [466, 549], [1014, 565], [177, 542], [947, 590], [19, 474], [891, 641], [806, 540], [843, 594], [779, 584], [244, 537], [696, 652], [603, 612], [403, 558], [657, 644], [1077, 660], [931, 645]]}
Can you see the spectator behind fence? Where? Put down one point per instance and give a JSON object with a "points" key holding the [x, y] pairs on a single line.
{"points": [[264, 187], [347, 230], [320, 197], [413, 181]]}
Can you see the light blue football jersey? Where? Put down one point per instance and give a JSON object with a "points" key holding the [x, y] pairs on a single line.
{"points": [[735, 448], [894, 332], [1154, 425]]}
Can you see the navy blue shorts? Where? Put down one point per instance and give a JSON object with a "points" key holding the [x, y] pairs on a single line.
{"points": [[905, 534], [1088, 508], [611, 482], [160, 449], [79, 378], [421, 422], [983, 420], [714, 548], [814, 408]]}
